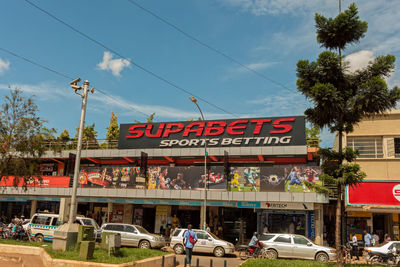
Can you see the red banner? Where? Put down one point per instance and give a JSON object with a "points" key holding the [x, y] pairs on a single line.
{"points": [[375, 194], [47, 181]]}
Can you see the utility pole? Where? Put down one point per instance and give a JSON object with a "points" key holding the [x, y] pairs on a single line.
{"points": [[84, 95]]}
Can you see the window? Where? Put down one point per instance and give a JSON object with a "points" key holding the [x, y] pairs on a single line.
{"points": [[283, 239], [142, 230], [202, 235], [368, 147], [130, 229], [114, 227], [300, 240], [397, 147], [56, 222], [266, 237], [176, 233], [43, 220]]}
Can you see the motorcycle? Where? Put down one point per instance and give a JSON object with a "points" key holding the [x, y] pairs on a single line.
{"points": [[390, 258], [246, 252]]}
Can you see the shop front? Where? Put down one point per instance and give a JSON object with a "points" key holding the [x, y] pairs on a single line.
{"points": [[373, 206]]}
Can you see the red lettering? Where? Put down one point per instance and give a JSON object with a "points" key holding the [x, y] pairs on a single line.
{"points": [[198, 130], [259, 125], [158, 133], [215, 130], [285, 127], [136, 133], [232, 127], [169, 129]]}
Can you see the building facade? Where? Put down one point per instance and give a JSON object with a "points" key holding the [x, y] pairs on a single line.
{"points": [[253, 180], [374, 205]]}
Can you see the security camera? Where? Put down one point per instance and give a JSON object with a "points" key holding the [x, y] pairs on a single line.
{"points": [[92, 90], [74, 82], [76, 87]]}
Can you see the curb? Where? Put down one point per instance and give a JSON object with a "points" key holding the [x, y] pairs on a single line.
{"points": [[48, 261]]}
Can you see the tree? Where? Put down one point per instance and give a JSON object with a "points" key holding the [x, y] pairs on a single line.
{"points": [[312, 136], [149, 119], [89, 137], [22, 137], [64, 139], [341, 98], [113, 129]]}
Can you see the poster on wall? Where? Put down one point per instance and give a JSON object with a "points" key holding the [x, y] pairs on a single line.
{"points": [[245, 179], [280, 178], [112, 177], [185, 178]]}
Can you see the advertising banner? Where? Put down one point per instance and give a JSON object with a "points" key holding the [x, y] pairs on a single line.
{"points": [[45, 181], [185, 178], [278, 131], [278, 178], [374, 193], [113, 177]]}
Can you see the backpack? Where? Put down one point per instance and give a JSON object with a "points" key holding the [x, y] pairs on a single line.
{"points": [[191, 239]]}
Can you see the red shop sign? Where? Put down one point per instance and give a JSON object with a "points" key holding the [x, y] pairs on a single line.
{"points": [[374, 194]]}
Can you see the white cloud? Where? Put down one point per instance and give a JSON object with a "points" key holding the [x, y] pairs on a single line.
{"points": [[43, 91], [114, 65], [4, 65], [359, 60]]}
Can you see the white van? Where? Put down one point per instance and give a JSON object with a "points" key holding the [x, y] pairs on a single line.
{"points": [[42, 226]]}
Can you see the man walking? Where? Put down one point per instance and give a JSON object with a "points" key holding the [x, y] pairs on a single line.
{"points": [[354, 244], [367, 239], [189, 239]]}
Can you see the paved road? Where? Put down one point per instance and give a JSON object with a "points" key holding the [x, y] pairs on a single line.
{"points": [[20, 260], [204, 260]]}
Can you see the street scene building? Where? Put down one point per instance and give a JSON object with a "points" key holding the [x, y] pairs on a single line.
{"points": [[255, 172]]}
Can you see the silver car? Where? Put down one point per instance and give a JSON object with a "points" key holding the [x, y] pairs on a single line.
{"points": [[206, 242], [294, 246], [134, 235]]}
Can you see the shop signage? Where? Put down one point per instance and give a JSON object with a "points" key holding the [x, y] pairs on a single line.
{"points": [[277, 131], [45, 181], [248, 204], [46, 167], [311, 224], [374, 193], [287, 206]]}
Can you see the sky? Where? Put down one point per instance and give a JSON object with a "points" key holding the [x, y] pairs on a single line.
{"points": [[268, 36]]}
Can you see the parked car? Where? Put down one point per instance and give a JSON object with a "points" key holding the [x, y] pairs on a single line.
{"points": [[134, 235], [42, 226], [206, 242], [25, 224], [294, 246], [383, 253]]}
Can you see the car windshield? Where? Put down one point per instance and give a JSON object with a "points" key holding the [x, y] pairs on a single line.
{"points": [[214, 236], [87, 221], [141, 229]]}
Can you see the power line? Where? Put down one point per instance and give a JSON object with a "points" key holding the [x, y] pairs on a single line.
{"points": [[132, 62], [67, 77], [197, 40]]}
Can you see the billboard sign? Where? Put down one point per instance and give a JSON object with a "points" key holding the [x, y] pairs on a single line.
{"points": [[374, 193], [273, 131]]}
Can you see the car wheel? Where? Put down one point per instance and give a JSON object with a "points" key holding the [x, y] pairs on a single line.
{"points": [[219, 252], [322, 256], [178, 249], [144, 244], [271, 254], [39, 238]]}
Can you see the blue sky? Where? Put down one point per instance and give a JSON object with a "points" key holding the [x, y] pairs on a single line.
{"points": [[269, 36]]}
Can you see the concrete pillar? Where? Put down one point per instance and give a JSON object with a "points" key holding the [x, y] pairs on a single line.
{"points": [[319, 223], [33, 207], [128, 213], [9, 210], [65, 206], [201, 216], [109, 210]]}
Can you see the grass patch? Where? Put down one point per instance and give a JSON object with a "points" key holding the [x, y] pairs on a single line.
{"points": [[293, 263], [126, 254]]}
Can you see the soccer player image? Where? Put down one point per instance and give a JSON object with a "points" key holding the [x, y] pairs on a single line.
{"points": [[250, 175], [295, 179], [235, 181]]}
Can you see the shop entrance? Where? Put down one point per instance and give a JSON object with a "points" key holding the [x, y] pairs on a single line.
{"points": [[187, 215], [380, 225], [148, 219]]}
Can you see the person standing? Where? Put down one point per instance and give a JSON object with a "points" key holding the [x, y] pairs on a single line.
{"points": [[367, 239], [354, 244], [189, 240], [375, 237]]}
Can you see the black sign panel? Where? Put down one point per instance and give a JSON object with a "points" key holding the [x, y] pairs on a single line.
{"points": [[273, 131]]}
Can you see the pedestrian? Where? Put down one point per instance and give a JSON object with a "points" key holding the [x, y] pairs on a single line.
{"points": [[387, 238], [367, 239], [189, 240], [354, 244], [375, 239]]}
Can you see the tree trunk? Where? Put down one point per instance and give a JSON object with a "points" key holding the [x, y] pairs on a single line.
{"points": [[338, 228]]}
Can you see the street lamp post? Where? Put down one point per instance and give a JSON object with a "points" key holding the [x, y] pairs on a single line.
{"points": [[194, 100]]}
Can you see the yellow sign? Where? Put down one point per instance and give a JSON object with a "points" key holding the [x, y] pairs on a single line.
{"points": [[395, 217], [360, 214]]}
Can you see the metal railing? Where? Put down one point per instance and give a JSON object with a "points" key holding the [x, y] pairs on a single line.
{"points": [[86, 144]]}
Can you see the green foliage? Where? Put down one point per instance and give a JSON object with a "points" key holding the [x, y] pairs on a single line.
{"points": [[64, 136], [346, 28], [89, 137], [312, 136], [149, 119], [113, 129], [22, 137]]}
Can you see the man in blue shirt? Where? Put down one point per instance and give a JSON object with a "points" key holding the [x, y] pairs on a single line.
{"points": [[189, 245], [367, 239]]}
